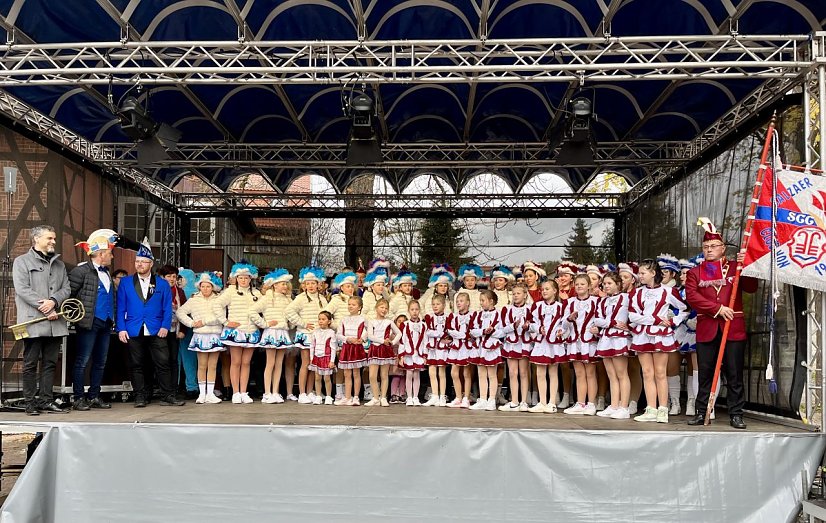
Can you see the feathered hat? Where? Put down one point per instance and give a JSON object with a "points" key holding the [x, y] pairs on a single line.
{"points": [[631, 268], [442, 268], [535, 267], [243, 268], [470, 269], [668, 262], [342, 278], [711, 232], [311, 273], [502, 272], [698, 259], [209, 277], [99, 240], [379, 262], [405, 276], [145, 251], [593, 269], [605, 268], [446, 277], [277, 276], [188, 277], [567, 268], [377, 275]]}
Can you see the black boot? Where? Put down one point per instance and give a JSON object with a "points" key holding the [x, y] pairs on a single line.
{"points": [[737, 422], [699, 419]]}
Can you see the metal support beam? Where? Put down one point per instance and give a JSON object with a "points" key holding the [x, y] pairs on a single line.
{"points": [[186, 240]]}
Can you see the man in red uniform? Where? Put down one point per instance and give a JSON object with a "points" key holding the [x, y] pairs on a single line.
{"points": [[708, 291]]}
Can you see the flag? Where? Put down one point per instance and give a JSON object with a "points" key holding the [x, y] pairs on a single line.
{"points": [[800, 230]]}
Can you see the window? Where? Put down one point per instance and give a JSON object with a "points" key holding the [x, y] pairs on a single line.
{"points": [[133, 215], [203, 231]]}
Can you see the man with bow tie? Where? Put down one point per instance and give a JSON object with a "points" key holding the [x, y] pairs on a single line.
{"points": [[91, 283], [144, 316]]}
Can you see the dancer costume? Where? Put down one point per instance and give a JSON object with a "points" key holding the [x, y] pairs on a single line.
{"points": [[412, 346], [458, 328], [379, 330], [337, 306], [581, 344], [273, 307], [504, 297], [437, 349], [323, 351], [305, 307], [648, 307], [518, 341], [548, 348], [613, 341], [379, 272], [439, 274], [353, 355], [470, 269], [487, 347], [239, 305], [400, 301], [206, 338]]}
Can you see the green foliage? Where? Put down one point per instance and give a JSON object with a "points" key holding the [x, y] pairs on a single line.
{"points": [[578, 248], [440, 241]]}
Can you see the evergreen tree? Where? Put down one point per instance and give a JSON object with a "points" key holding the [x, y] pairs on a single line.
{"points": [[605, 253], [578, 248], [440, 241]]}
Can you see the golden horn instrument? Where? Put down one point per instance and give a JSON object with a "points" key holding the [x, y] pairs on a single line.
{"points": [[71, 310]]}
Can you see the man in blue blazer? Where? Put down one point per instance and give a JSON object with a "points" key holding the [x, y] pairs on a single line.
{"points": [[144, 315]]}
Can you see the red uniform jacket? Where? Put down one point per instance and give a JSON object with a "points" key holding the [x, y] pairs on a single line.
{"points": [[707, 288]]}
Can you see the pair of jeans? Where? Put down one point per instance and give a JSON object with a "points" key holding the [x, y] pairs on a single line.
{"points": [[157, 351], [732, 369], [44, 351], [91, 344]]}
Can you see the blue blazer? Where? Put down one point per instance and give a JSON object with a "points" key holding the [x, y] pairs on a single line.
{"points": [[134, 312]]}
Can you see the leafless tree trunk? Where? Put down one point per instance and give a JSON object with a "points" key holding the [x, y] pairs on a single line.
{"points": [[358, 232]]}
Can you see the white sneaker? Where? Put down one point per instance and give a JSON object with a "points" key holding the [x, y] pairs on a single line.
{"points": [[621, 413], [383, 402], [565, 401], [650, 414], [236, 398], [479, 405], [491, 404], [303, 399], [292, 397], [277, 398], [339, 396], [690, 409], [662, 415], [675, 407], [212, 398], [432, 402], [409, 402], [606, 413], [372, 403], [341, 401], [318, 400], [266, 398], [601, 403], [590, 409], [416, 402], [509, 407], [311, 396], [538, 408], [523, 407], [632, 408], [465, 403], [201, 399], [442, 401], [245, 398], [355, 402], [576, 408], [328, 400], [550, 408]]}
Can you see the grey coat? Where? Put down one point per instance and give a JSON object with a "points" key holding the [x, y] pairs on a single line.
{"points": [[37, 279]]}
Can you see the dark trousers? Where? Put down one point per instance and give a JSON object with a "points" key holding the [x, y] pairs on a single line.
{"points": [[172, 343], [91, 343], [43, 350], [155, 348], [732, 369]]}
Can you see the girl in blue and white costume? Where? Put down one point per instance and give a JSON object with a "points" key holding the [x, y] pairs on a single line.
{"points": [[240, 332], [198, 314], [303, 313], [343, 288], [686, 335], [270, 316]]}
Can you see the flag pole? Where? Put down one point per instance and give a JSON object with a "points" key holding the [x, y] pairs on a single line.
{"points": [[755, 197]]}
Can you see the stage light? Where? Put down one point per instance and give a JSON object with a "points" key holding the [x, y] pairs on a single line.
{"points": [[578, 147], [581, 107], [154, 140], [363, 146]]}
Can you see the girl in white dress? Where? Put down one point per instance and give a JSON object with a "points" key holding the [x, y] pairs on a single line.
{"points": [[549, 345], [611, 324], [276, 336], [438, 349], [458, 327], [383, 335], [413, 352], [516, 349], [352, 336], [486, 329], [580, 311]]}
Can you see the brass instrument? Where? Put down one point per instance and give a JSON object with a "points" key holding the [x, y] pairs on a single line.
{"points": [[72, 311]]}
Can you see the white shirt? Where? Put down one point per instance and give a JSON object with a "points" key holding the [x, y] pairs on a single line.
{"points": [[103, 276], [145, 290]]}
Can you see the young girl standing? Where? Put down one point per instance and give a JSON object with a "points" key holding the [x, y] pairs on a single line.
{"points": [[344, 286], [457, 327], [440, 283], [413, 352], [533, 274], [276, 336], [469, 276], [323, 364], [198, 313], [629, 278], [518, 342], [404, 282], [352, 335], [303, 313], [383, 335], [485, 327], [438, 343], [580, 312], [611, 323], [500, 278], [565, 273], [549, 346], [652, 325]]}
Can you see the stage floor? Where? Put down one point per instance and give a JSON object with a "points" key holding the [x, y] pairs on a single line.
{"points": [[291, 413]]}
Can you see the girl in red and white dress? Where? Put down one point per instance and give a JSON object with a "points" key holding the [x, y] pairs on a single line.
{"points": [[580, 311], [516, 348], [486, 328], [458, 328], [629, 280], [549, 348], [352, 336], [413, 352], [323, 364], [438, 347], [611, 324], [383, 335], [565, 273], [652, 321]]}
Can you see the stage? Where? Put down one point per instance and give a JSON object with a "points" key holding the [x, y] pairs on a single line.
{"points": [[288, 462]]}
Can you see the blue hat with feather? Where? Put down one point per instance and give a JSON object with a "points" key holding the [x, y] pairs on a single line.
{"points": [[344, 277], [470, 269], [209, 277], [502, 272], [277, 276], [377, 275], [243, 269], [311, 273], [669, 262]]}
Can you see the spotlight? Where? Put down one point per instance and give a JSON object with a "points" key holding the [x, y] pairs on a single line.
{"points": [[578, 146], [581, 107], [154, 140], [363, 145]]}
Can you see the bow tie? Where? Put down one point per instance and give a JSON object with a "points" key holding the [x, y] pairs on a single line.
{"points": [[103, 269]]}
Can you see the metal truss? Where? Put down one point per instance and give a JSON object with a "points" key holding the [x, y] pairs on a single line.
{"points": [[402, 205], [594, 59], [396, 155]]}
